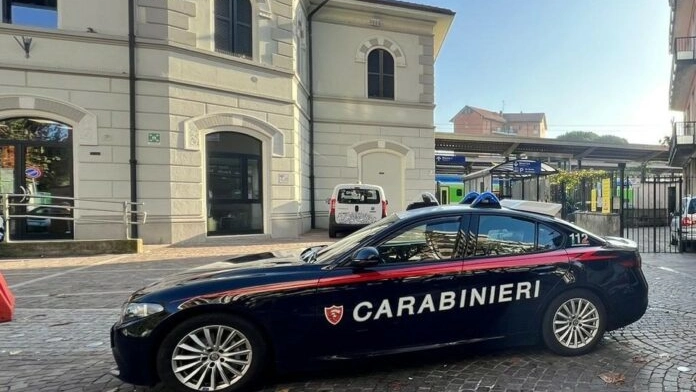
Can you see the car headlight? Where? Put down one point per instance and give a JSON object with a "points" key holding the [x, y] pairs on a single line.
{"points": [[136, 310]]}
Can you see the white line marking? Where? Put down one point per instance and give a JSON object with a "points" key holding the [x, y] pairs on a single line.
{"points": [[60, 295], [28, 282], [669, 270]]}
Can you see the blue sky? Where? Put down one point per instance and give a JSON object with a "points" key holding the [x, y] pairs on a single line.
{"points": [[590, 65]]}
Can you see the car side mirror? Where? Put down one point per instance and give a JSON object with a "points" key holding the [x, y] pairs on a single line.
{"points": [[365, 258]]}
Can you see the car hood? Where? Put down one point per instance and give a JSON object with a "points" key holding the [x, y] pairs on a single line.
{"points": [[258, 268]]}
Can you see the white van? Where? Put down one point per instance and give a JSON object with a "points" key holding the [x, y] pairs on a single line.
{"points": [[353, 206]]}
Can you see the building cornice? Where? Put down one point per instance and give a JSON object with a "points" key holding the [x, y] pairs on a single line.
{"points": [[141, 43], [375, 102], [376, 124], [367, 19], [74, 36]]}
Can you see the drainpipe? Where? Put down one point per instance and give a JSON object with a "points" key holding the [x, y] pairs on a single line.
{"points": [[312, 197], [131, 94]]}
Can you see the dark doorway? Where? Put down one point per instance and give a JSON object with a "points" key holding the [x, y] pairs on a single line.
{"points": [[36, 165], [234, 190]]}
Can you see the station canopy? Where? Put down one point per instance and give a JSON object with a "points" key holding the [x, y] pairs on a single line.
{"points": [[515, 169]]}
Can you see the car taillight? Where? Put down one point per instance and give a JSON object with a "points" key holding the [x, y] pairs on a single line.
{"points": [[384, 208], [633, 262], [332, 210], [686, 221]]}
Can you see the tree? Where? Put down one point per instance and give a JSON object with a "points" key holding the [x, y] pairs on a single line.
{"points": [[591, 137], [578, 136], [666, 141]]}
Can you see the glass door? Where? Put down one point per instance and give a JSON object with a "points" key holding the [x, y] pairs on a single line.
{"points": [[36, 165], [234, 178]]}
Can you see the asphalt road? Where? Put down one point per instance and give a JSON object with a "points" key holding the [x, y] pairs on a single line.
{"points": [[59, 340]]}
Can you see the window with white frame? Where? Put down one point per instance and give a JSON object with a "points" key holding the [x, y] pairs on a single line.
{"points": [[36, 13], [233, 32]]}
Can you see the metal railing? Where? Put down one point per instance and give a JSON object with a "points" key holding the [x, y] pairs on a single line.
{"points": [[687, 128], [685, 48], [20, 206]]}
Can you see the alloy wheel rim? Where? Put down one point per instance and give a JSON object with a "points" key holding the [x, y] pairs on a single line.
{"points": [[575, 323], [211, 358]]}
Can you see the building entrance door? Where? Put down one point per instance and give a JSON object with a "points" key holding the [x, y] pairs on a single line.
{"points": [[234, 184], [36, 167]]}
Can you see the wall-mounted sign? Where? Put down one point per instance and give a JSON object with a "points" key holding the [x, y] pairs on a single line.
{"points": [[154, 137]]}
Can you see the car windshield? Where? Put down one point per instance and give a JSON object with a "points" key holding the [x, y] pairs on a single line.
{"points": [[692, 207], [329, 254]]}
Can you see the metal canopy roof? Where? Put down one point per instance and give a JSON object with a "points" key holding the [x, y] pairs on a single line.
{"points": [[507, 170], [550, 148]]}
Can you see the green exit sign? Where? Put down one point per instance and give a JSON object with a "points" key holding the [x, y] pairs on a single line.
{"points": [[154, 137]]}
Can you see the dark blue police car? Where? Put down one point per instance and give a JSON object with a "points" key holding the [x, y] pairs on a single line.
{"points": [[421, 279]]}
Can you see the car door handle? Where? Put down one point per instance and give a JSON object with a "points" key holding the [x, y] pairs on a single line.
{"points": [[545, 268]]}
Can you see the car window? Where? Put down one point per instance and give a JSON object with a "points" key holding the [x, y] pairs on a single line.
{"points": [[549, 238], [692, 207], [504, 235], [430, 241], [358, 196], [351, 242]]}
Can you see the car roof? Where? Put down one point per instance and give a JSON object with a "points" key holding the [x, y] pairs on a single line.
{"points": [[358, 186], [462, 208]]}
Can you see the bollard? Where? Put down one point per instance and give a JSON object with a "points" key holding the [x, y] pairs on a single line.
{"points": [[7, 301]]}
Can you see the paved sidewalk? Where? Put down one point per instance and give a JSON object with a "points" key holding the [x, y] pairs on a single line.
{"points": [[59, 340]]}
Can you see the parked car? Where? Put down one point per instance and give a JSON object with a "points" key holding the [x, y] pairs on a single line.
{"points": [[353, 206], [682, 226], [421, 279]]}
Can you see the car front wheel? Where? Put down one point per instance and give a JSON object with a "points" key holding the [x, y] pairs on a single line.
{"points": [[215, 352], [574, 323]]}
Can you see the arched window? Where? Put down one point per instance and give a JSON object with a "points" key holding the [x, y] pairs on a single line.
{"points": [[233, 27], [380, 74], [301, 59]]}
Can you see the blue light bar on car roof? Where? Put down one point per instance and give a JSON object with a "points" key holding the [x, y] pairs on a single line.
{"points": [[469, 198], [486, 200]]}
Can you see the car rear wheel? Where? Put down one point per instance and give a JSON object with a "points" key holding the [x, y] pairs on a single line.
{"points": [[215, 352], [574, 323], [332, 232]]}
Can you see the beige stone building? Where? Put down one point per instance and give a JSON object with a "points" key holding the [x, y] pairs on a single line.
{"points": [[682, 96], [226, 138]]}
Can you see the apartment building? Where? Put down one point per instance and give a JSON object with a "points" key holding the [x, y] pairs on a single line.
{"points": [[225, 117], [475, 121], [682, 92]]}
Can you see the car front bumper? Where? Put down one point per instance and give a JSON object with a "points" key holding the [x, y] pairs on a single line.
{"points": [[134, 358], [687, 234]]}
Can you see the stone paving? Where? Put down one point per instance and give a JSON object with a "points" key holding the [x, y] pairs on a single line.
{"points": [[59, 340]]}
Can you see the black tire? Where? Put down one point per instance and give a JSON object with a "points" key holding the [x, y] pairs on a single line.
{"points": [[180, 334], [590, 307], [682, 246], [332, 232]]}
